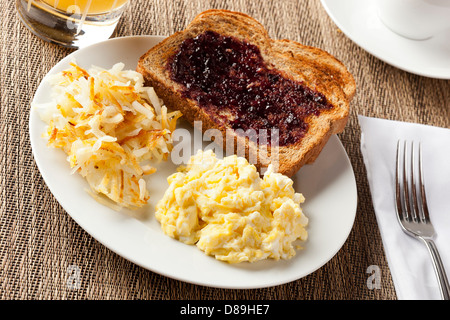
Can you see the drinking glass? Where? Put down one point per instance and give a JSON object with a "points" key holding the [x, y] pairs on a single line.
{"points": [[71, 23]]}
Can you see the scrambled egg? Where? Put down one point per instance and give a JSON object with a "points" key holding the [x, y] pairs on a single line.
{"points": [[229, 212]]}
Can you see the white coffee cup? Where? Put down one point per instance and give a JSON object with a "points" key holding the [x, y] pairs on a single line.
{"points": [[415, 19]]}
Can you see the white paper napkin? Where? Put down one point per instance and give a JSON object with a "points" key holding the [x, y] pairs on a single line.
{"points": [[409, 261]]}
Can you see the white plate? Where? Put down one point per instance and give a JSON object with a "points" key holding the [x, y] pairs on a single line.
{"points": [[359, 21], [328, 185]]}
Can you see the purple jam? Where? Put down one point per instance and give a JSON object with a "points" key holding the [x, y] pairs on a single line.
{"points": [[226, 75]]}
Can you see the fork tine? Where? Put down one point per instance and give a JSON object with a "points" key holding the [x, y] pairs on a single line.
{"points": [[399, 186], [425, 213], [406, 199], [398, 201], [415, 212]]}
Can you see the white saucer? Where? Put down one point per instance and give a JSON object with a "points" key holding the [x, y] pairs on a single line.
{"points": [[359, 21]]}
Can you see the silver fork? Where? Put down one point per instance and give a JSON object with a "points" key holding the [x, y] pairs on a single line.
{"points": [[412, 209]]}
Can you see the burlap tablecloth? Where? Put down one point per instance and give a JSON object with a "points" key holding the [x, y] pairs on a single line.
{"points": [[39, 240]]}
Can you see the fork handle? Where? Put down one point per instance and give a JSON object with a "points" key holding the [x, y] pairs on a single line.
{"points": [[439, 268]]}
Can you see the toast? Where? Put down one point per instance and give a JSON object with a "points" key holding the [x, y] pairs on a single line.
{"points": [[296, 69]]}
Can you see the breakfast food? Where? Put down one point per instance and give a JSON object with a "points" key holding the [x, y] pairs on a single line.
{"points": [[225, 71], [111, 127], [228, 211]]}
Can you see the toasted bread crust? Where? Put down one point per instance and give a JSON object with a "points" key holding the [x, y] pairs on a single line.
{"points": [[314, 67]]}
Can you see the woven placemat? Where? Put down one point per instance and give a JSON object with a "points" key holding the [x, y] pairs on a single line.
{"points": [[41, 246]]}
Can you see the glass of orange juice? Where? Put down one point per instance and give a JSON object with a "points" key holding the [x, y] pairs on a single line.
{"points": [[71, 23]]}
